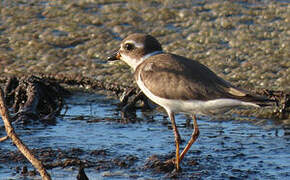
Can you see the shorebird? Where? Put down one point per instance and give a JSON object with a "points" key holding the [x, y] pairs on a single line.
{"points": [[179, 84]]}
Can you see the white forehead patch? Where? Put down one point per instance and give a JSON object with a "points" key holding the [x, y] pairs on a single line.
{"points": [[138, 45]]}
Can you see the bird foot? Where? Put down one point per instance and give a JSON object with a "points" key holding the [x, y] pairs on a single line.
{"points": [[171, 164], [159, 164]]}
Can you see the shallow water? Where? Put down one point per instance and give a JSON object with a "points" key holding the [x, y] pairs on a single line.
{"points": [[225, 149]]}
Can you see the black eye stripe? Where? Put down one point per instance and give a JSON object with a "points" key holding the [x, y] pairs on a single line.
{"points": [[129, 46]]}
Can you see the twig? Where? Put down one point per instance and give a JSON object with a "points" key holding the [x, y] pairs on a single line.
{"points": [[3, 138], [20, 145]]}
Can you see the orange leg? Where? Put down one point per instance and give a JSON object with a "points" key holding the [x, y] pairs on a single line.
{"points": [[177, 138], [193, 138]]}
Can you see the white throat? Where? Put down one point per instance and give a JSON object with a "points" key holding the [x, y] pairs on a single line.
{"points": [[134, 63]]}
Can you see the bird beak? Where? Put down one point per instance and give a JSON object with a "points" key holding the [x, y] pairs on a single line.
{"points": [[114, 57]]}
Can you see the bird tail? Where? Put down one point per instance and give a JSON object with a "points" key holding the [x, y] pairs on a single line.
{"points": [[246, 96], [259, 100]]}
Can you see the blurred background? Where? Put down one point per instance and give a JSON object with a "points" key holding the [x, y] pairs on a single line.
{"points": [[244, 41]]}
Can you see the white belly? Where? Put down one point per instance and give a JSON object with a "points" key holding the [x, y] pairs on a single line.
{"points": [[193, 106]]}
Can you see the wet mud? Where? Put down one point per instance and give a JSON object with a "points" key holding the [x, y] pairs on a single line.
{"points": [[33, 98]]}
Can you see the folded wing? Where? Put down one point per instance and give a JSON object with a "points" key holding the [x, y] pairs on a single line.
{"points": [[175, 77]]}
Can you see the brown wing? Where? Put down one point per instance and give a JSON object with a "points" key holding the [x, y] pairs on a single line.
{"points": [[175, 77]]}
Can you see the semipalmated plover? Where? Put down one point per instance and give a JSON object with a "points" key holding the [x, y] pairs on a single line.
{"points": [[179, 84]]}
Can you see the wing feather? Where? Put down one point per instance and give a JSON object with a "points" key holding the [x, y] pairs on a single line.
{"points": [[176, 77]]}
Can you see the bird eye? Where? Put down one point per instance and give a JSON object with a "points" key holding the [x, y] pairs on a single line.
{"points": [[129, 46]]}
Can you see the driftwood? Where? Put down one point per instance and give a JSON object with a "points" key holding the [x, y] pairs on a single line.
{"points": [[34, 98], [86, 82], [3, 138], [17, 141], [129, 100]]}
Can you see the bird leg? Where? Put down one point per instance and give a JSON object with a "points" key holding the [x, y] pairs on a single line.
{"points": [[193, 138], [177, 138]]}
